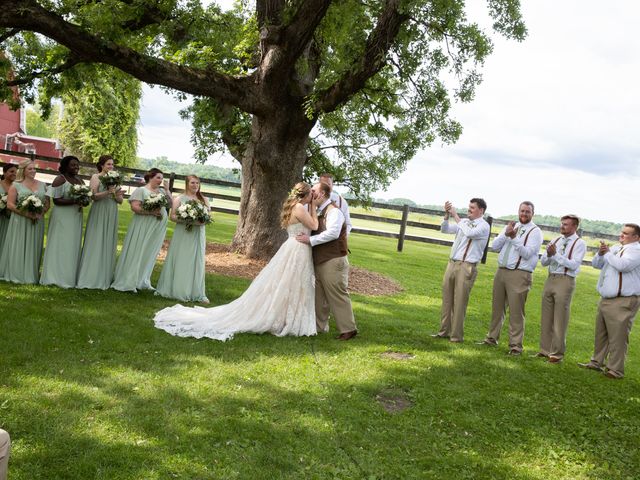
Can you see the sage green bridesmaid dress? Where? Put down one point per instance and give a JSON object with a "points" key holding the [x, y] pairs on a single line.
{"points": [[22, 250], [64, 241], [140, 249], [98, 258], [4, 221], [182, 275]]}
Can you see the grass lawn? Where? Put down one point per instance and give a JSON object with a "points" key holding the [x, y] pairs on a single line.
{"points": [[89, 389]]}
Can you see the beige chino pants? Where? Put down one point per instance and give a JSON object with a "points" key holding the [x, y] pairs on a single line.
{"points": [[555, 313], [613, 325], [332, 280], [457, 283], [510, 288]]}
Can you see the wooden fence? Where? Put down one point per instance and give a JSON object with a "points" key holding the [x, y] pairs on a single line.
{"points": [[402, 223]]}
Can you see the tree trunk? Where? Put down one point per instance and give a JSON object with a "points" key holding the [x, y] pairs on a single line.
{"points": [[271, 166]]}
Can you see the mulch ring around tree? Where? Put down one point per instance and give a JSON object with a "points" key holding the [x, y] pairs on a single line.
{"points": [[222, 261]]}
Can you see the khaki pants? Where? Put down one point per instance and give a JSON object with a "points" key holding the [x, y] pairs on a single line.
{"points": [[556, 309], [510, 287], [5, 447], [613, 324], [332, 279], [456, 288]]}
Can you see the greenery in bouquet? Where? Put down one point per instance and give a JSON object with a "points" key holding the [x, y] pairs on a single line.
{"points": [[111, 179], [31, 204], [4, 211], [154, 202], [193, 213], [81, 194]]}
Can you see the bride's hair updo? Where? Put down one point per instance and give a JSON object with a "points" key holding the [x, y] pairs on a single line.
{"points": [[296, 194]]}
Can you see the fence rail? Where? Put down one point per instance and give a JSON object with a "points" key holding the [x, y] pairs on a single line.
{"points": [[403, 223]]}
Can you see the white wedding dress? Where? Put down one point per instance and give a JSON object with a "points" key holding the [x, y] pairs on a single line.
{"points": [[281, 301]]}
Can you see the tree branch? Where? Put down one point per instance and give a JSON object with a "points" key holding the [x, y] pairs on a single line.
{"points": [[299, 32], [11, 33], [269, 12], [377, 46], [90, 48], [68, 65]]}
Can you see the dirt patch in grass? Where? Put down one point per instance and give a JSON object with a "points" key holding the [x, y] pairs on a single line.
{"points": [[221, 260], [394, 401], [397, 355]]}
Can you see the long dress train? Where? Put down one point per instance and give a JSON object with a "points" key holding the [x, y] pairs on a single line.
{"points": [[280, 301]]}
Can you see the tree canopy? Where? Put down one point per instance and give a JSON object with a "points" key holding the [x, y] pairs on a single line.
{"points": [[289, 88]]}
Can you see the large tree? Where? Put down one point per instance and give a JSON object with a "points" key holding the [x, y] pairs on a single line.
{"points": [[289, 88]]}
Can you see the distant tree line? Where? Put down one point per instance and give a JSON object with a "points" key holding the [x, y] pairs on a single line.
{"points": [[201, 170]]}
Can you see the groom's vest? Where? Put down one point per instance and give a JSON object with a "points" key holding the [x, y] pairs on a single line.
{"points": [[333, 249]]}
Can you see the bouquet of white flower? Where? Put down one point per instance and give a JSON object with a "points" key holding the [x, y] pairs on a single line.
{"points": [[31, 204], [110, 179], [4, 211], [193, 212], [81, 194], [156, 201]]}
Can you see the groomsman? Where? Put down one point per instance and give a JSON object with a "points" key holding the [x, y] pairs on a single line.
{"points": [[336, 198], [471, 237], [563, 257], [5, 446], [619, 287], [331, 266], [519, 244]]}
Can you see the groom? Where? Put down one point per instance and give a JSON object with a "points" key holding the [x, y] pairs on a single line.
{"points": [[329, 244]]}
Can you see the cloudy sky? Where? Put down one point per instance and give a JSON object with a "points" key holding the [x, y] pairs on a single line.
{"points": [[555, 120]]}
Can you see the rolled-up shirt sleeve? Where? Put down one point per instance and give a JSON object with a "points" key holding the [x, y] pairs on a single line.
{"points": [[335, 220]]}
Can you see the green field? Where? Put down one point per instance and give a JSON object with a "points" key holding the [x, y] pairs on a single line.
{"points": [[89, 389]]}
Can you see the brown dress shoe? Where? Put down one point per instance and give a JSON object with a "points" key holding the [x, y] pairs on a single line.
{"points": [[539, 355], [554, 359], [437, 335], [590, 366], [347, 335], [610, 374], [514, 352]]}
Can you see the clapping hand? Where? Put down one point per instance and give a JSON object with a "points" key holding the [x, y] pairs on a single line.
{"points": [[447, 209], [511, 231], [603, 248], [551, 250]]}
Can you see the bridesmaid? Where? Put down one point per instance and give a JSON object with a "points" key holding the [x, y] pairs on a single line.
{"points": [[22, 251], [144, 237], [101, 233], [9, 172], [182, 275], [64, 237]]}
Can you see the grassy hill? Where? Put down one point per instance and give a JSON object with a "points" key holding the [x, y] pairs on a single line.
{"points": [[89, 389]]}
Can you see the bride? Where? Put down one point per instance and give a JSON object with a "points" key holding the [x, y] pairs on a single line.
{"points": [[281, 299]]}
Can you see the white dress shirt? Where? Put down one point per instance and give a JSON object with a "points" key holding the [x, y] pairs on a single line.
{"points": [[513, 251], [333, 223], [344, 208], [471, 238], [560, 263], [620, 275]]}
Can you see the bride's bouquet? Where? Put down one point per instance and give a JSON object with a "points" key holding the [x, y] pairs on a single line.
{"points": [[110, 179], [31, 204], [193, 212], [154, 202], [81, 194], [4, 211]]}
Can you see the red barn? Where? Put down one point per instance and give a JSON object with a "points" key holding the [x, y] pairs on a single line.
{"points": [[13, 137]]}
